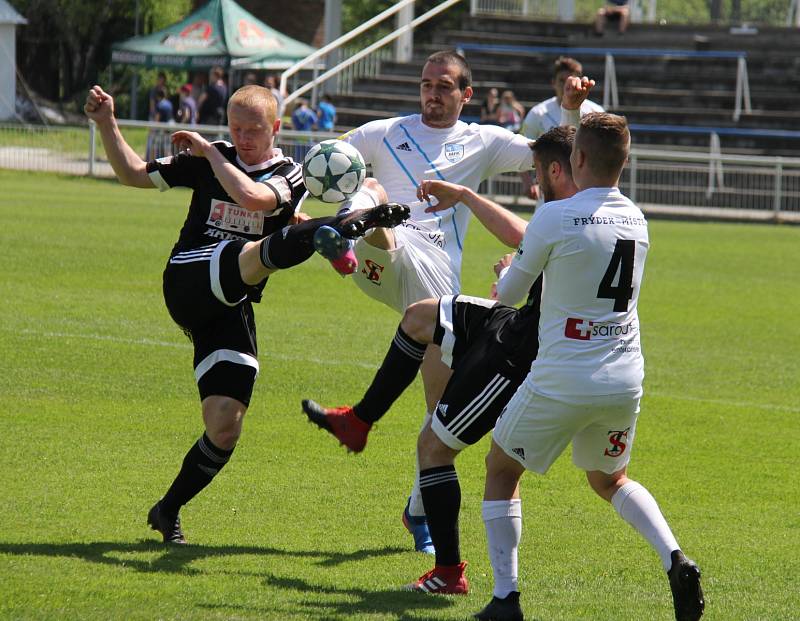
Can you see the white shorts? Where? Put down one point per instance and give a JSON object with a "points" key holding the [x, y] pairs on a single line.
{"points": [[413, 271], [535, 430]]}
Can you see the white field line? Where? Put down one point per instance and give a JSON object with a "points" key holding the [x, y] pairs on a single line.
{"points": [[187, 346], [364, 365]]}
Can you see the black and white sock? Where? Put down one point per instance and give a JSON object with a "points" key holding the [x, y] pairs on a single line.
{"points": [[201, 464], [398, 370], [441, 496]]}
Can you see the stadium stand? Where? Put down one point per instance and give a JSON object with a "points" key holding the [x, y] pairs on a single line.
{"points": [[676, 84]]}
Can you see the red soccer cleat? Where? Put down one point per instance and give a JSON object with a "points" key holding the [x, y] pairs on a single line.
{"points": [[444, 580], [346, 264], [342, 422]]}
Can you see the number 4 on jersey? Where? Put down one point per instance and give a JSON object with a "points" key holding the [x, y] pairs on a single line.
{"points": [[622, 262]]}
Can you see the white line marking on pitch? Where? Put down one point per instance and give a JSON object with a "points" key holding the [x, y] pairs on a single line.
{"points": [[175, 345]]}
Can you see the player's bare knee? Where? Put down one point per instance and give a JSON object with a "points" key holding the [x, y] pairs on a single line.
{"points": [[223, 417], [372, 184], [432, 452], [419, 320], [606, 485]]}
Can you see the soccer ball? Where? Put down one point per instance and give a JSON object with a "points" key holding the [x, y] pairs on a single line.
{"points": [[333, 171]]}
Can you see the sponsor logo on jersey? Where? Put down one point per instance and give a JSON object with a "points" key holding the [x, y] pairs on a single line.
{"points": [[454, 152], [618, 441], [403, 147], [372, 271], [585, 330], [232, 217]]}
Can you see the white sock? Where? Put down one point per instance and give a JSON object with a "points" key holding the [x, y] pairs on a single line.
{"points": [[415, 506], [365, 198], [503, 521], [639, 509]]}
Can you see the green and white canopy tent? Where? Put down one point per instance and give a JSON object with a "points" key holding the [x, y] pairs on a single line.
{"points": [[214, 35]]}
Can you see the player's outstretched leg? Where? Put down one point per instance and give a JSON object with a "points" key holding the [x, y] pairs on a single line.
{"points": [[168, 525], [342, 422], [687, 595], [358, 223], [505, 609], [351, 425]]}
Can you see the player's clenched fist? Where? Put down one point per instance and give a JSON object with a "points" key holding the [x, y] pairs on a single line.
{"points": [[576, 91], [192, 142], [99, 105]]}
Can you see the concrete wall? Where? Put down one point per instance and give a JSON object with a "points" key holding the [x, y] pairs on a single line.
{"points": [[7, 71]]}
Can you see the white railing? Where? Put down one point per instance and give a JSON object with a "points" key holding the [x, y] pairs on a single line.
{"points": [[562, 10], [359, 56], [661, 181]]}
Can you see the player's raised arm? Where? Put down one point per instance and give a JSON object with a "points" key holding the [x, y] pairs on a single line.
{"points": [[128, 166], [251, 195], [499, 221], [576, 91]]}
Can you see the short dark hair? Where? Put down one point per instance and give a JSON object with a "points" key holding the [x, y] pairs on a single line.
{"points": [[555, 145], [451, 57], [565, 63], [606, 139]]}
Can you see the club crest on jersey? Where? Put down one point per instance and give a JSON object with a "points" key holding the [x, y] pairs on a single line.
{"points": [[618, 441], [453, 152], [372, 271]]}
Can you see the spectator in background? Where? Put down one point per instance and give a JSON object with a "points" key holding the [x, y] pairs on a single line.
{"points": [[211, 105], [510, 112], [613, 10], [326, 114], [187, 108], [489, 107], [547, 114], [165, 113], [271, 82], [161, 83], [303, 118], [250, 79]]}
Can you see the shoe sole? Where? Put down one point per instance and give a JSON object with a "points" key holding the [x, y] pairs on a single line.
{"points": [[329, 243], [383, 216]]}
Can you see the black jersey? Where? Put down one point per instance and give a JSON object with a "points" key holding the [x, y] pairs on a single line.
{"points": [[213, 215]]}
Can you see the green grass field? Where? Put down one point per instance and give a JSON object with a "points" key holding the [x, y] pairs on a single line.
{"points": [[99, 406]]}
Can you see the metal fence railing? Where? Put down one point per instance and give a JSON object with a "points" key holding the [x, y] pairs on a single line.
{"points": [[661, 181]]}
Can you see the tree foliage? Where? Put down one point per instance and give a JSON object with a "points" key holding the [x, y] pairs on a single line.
{"points": [[67, 43]]}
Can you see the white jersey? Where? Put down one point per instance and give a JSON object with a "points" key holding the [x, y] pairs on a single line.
{"points": [[547, 114], [403, 151], [592, 248]]}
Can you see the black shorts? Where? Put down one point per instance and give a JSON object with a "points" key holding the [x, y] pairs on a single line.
{"points": [[206, 297], [490, 348]]}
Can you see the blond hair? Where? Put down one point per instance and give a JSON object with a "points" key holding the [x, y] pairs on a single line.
{"points": [[257, 98]]}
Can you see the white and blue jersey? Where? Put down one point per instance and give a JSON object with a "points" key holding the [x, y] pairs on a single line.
{"points": [[403, 151]]}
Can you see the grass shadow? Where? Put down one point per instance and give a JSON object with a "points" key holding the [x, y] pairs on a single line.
{"points": [[176, 558], [396, 604]]}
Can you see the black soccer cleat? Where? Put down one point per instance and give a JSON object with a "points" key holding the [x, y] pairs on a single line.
{"points": [[168, 526], [684, 580], [356, 223], [506, 609]]}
